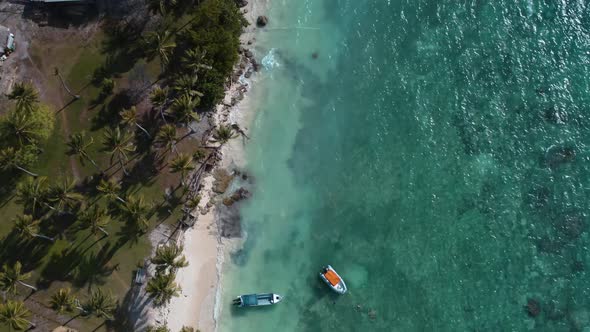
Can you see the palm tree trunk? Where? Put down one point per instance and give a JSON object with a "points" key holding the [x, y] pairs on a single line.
{"points": [[120, 199], [143, 129], [123, 166], [32, 325], [26, 171], [44, 237], [103, 231], [28, 286], [65, 86], [162, 114], [94, 163]]}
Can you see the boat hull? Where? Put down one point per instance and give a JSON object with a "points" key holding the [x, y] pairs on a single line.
{"points": [[340, 287], [257, 300]]}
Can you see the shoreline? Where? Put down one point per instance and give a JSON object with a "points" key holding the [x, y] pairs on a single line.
{"points": [[204, 247]]}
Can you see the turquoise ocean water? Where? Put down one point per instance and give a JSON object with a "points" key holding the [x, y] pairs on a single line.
{"points": [[434, 152]]}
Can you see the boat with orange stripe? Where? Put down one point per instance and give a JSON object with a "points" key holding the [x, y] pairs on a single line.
{"points": [[333, 279]]}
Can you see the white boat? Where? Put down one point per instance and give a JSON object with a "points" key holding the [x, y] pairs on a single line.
{"points": [[333, 279], [255, 300]]}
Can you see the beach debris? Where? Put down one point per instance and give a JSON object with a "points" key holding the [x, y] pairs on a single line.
{"points": [[261, 21], [532, 307]]}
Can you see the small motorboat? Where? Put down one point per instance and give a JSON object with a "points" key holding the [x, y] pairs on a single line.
{"points": [[255, 300], [333, 279]]}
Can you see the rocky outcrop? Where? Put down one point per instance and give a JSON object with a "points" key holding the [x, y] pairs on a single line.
{"points": [[262, 21]]}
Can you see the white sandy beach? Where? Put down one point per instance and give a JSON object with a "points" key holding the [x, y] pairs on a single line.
{"points": [[203, 246]]}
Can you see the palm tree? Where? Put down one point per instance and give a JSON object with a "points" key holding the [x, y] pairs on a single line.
{"points": [[11, 276], [15, 314], [96, 219], [182, 164], [187, 329], [63, 301], [166, 137], [193, 60], [162, 288], [160, 6], [183, 110], [64, 196], [169, 258], [110, 189], [63, 83], [32, 192], [28, 227], [136, 210], [78, 145], [107, 86], [14, 159], [185, 84], [223, 134], [193, 202], [26, 97], [120, 145], [129, 118], [21, 128], [160, 45], [158, 97], [100, 304]]}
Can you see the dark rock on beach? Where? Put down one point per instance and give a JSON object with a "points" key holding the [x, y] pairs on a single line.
{"points": [[241, 3], [262, 21]]}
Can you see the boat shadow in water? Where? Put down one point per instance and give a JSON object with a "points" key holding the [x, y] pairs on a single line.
{"points": [[243, 311]]}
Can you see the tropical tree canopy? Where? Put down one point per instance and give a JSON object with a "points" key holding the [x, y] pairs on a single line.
{"points": [[32, 192], [62, 301], [110, 189], [161, 288], [166, 136], [135, 210], [11, 159], [224, 133], [183, 109], [12, 276], [158, 96], [64, 196], [28, 227], [182, 164], [169, 257], [100, 304], [95, 219], [15, 314], [118, 143], [25, 95]]}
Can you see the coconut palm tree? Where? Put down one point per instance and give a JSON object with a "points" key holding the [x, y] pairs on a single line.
{"points": [[158, 98], [182, 164], [26, 97], [21, 128], [33, 192], [166, 137], [15, 314], [119, 144], [63, 195], [129, 119], [193, 61], [193, 202], [161, 288], [78, 145], [135, 210], [187, 329], [15, 159], [100, 304], [12, 276], [185, 84], [95, 219], [183, 110], [110, 189], [107, 85], [63, 83], [63, 301], [169, 258], [160, 45], [28, 227], [223, 134]]}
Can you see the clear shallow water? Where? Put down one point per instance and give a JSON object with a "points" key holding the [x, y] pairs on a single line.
{"points": [[436, 154]]}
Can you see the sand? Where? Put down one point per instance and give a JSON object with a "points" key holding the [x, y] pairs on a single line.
{"points": [[203, 247]]}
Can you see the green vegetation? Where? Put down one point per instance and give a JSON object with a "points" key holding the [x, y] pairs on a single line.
{"points": [[83, 175]]}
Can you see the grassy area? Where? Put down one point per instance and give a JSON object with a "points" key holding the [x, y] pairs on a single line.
{"points": [[79, 259]]}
